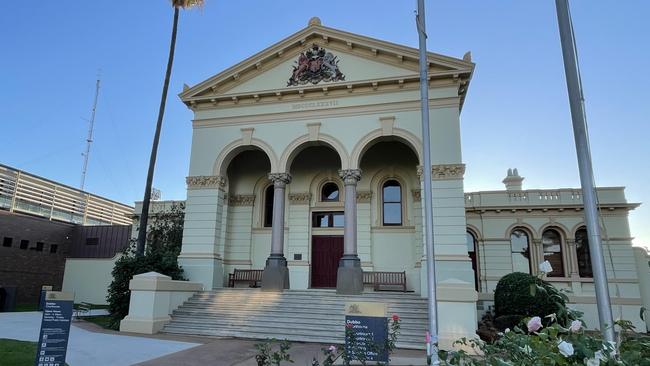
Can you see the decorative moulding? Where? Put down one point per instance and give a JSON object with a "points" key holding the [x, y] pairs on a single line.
{"points": [[417, 194], [205, 181], [241, 200], [364, 196], [300, 198], [444, 171]]}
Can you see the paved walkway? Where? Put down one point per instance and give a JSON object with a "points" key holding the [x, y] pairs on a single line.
{"points": [[92, 348]]}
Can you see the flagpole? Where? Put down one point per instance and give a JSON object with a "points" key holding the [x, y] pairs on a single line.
{"points": [[576, 101], [432, 340]]}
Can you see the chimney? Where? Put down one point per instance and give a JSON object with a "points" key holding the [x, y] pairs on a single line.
{"points": [[513, 180]]}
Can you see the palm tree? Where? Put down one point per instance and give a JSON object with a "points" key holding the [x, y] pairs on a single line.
{"points": [[144, 215]]}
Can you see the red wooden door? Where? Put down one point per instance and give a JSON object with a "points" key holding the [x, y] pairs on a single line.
{"points": [[326, 251]]}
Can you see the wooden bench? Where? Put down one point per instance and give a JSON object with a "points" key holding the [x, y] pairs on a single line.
{"points": [[83, 308], [252, 276], [378, 279]]}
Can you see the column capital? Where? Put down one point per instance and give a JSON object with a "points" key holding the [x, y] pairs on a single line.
{"points": [[280, 179], [205, 181], [350, 176]]}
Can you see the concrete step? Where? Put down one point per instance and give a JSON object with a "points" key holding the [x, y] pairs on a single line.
{"points": [[295, 315]]}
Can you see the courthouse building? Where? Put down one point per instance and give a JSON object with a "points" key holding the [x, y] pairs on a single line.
{"points": [[306, 161]]}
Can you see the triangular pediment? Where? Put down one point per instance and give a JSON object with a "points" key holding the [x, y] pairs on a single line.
{"points": [[338, 59]]}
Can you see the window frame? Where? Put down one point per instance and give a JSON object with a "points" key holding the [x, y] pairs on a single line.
{"points": [[529, 249], [474, 259], [589, 265], [562, 252], [267, 207], [322, 194], [384, 202]]}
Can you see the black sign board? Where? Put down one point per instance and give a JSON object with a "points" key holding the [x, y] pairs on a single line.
{"points": [[55, 329], [366, 331]]}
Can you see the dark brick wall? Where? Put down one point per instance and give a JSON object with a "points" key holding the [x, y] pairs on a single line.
{"points": [[29, 269]]}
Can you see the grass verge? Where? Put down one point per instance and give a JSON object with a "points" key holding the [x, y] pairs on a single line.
{"points": [[17, 353]]}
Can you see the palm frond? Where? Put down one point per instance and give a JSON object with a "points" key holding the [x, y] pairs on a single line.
{"points": [[187, 3]]}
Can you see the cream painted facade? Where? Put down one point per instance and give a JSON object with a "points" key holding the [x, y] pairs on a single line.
{"points": [[493, 217], [249, 126], [362, 134]]}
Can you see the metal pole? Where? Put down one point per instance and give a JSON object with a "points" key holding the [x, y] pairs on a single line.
{"points": [[576, 100], [89, 139], [432, 347]]}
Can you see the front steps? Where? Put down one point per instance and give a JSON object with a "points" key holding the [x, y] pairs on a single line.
{"points": [[295, 315]]}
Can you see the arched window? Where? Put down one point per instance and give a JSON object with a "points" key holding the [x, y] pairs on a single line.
{"points": [[520, 251], [582, 252], [268, 206], [552, 246], [329, 192], [392, 203], [471, 251]]}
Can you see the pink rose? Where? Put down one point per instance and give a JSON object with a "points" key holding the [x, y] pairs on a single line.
{"points": [[576, 325], [534, 324]]}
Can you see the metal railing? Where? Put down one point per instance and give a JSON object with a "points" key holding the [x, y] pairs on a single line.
{"points": [[27, 193]]}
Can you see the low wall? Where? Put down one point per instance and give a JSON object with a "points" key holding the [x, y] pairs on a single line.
{"points": [[153, 298], [89, 278]]}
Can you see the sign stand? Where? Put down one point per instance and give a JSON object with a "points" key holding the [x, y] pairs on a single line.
{"points": [[366, 333], [55, 329]]}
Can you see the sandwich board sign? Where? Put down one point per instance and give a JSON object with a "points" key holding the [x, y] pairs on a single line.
{"points": [[55, 329], [366, 331]]}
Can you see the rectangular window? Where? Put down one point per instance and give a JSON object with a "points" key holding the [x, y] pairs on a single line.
{"points": [[328, 219], [53, 248], [39, 246], [24, 244], [6, 242], [92, 241]]}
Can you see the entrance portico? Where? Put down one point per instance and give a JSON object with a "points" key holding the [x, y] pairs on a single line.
{"points": [[317, 137]]}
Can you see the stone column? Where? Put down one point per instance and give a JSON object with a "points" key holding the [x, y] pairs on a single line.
{"points": [[349, 278], [276, 274]]}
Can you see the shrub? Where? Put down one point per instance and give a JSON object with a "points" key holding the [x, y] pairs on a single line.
{"points": [[520, 295], [161, 255]]}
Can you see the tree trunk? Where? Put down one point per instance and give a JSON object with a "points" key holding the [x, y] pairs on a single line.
{"points": [[144, 215]]}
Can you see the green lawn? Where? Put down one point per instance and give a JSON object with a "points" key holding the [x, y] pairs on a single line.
{"points": [[17, 353], [103, 321], [26, 307]]}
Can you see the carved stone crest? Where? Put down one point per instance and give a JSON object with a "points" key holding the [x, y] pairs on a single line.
{"points": [[315, 65]]}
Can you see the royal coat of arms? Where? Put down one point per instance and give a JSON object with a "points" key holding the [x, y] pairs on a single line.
{"points": [[315, 65]]}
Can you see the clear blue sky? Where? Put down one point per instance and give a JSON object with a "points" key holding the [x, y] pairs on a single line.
{"points": [[516, 113]]}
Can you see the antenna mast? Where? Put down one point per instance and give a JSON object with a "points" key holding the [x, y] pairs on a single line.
{"points": [[89, 139]]}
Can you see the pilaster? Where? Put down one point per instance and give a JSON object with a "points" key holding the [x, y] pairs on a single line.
{"points": [[200, 256]]}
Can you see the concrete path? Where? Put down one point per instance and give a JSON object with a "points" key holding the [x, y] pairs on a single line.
{"points": [[91, 348], [241, 352]]}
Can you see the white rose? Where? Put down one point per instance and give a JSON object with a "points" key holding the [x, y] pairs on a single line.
{"points": [[565, 348], [576, 325], [598, 357], [545, 267]]}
